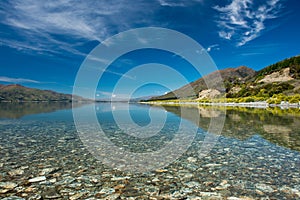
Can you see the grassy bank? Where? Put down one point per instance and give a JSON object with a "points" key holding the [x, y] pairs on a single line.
{"points": [[275, 100]]}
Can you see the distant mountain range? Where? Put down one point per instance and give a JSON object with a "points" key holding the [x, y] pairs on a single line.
{"points": [[280, 78], [19, 93]]}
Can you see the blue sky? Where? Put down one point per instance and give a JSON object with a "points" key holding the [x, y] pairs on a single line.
{"points": [[43, 43]]}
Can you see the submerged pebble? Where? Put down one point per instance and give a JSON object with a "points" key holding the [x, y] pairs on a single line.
{"points": [[16, 172], [8, 185], [37, 179]]}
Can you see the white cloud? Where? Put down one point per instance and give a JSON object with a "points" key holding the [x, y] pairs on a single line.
{"points": [[226, 35], [211, 47], [17, 80], [244, 20]]}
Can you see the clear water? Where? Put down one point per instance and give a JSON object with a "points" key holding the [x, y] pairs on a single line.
{"points": [[257, 156]]}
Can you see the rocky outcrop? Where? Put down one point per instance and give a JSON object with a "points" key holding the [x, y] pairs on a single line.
{"points": [[234, 90], [209, 94], [280, 76]]}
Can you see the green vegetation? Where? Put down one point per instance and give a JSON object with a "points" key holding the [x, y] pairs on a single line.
{"points": [[275, 99], [263, 90], [293, 63]]}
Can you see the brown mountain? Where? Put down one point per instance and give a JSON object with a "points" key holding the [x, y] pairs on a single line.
{"points": [[19, 93], [229, 76]]}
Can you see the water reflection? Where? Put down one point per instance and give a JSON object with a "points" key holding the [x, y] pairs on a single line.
{"points": [[19, 109], [280, 127]]}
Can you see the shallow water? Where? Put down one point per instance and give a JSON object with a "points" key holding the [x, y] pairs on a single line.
{"points": [[44, 157]]}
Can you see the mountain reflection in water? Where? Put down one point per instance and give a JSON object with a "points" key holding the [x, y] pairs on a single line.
{"points": [[278, 126], [19, 109]]}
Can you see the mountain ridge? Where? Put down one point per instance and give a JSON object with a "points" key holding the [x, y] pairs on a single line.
{"points": [[20, 93], [213, 79]]}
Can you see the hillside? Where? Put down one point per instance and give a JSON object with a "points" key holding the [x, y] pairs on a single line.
{"points": [[19, 93], [279, 78], [230, 76]]}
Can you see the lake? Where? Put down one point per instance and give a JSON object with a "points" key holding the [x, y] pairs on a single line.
{"points": [[134, 151]]}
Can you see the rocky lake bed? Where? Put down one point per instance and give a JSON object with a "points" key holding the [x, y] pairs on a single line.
{"points": [[46, 159]]}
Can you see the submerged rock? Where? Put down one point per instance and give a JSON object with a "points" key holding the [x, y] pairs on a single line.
{"points": [[51, 193], [8, 185], [210, 194], [192, 184], [16, 172], [239, 198], [212, 165], [106, 191], [120, 178], [13, 198], [76, 196], [37, 179], [48, 171], [191, 159], [264, 188], [112, 197]]}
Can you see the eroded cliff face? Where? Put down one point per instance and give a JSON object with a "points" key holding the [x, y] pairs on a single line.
{"points": [[209, 94], [280, 76]]}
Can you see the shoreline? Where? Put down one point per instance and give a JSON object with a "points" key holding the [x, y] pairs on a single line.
{"points": [[258, 104]]}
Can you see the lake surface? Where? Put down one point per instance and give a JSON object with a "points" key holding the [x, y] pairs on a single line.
{"points": [[147, 152]]}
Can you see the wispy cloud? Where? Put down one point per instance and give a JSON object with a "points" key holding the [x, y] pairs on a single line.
{"points": [[171, 3], [16, 80], [113, 96], [52, 17], [178, 3], [96, 64], [51, 26], [244, 20], [211, 47]]}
